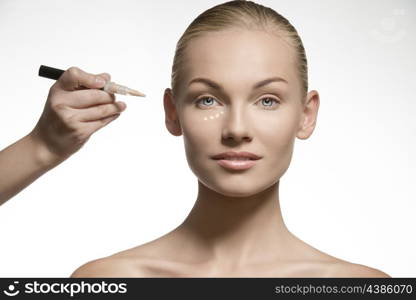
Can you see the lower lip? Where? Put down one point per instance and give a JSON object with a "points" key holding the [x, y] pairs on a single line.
{"points": [[236, 164]]}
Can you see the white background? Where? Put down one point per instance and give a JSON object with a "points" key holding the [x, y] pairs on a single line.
{"points": [[349, 190]]}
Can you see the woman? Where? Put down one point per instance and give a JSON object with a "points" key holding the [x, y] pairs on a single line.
{"points": [[240, 98]]}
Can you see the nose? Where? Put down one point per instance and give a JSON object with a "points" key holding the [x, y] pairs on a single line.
{"points": [[236, 125]]}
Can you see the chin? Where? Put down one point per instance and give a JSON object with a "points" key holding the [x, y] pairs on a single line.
{"points": [[237, 189], [235, 185]]}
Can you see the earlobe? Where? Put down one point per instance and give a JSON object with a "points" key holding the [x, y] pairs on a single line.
{"points": [[171, 117], [309, 115]]}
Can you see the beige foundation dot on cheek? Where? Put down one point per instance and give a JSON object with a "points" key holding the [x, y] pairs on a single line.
{"points": [[217, 115]]}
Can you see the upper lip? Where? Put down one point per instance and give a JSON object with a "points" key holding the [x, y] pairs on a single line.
{"points": [[231, 154]]}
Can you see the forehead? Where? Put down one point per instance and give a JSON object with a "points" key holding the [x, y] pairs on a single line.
{"points": [[237, 53]]}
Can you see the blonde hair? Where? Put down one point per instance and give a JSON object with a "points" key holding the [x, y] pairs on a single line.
{"points": [[240, 14]]}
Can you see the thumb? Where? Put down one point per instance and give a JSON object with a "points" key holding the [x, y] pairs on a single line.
{"points": [[74, 79]]}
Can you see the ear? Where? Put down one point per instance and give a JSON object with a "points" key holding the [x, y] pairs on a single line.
{"points": [[309, 115], [171, 116]]}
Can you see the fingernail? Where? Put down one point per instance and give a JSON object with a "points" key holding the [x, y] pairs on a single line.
{"points": [[121, 106], [99, 80]]}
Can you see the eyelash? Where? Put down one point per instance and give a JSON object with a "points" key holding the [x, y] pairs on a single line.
{"points": [[207, 97]]}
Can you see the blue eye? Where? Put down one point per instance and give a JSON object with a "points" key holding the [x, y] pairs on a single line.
{"points": [[200, 100], [269, 103]]}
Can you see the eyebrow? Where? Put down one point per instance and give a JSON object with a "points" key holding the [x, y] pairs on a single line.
{"points": [[217, 86]]}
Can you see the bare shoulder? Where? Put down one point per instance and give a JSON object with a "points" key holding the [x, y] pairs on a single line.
{"points": [[325, 265], [145, 260], [347, 269], [111, 266], [132, 262]]}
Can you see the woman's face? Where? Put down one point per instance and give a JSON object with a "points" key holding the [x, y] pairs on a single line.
{"points": [[236, 116]]}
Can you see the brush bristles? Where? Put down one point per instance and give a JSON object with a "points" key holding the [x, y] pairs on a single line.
{"points": [[135, 93]]}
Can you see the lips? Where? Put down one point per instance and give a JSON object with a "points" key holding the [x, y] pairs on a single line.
{"points": [[232, 155], [236, 160]]}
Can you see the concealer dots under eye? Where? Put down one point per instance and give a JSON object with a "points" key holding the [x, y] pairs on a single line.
{"points": [[214, 116]]}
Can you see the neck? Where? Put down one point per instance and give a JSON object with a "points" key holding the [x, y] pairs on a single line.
{"points": [[236, 230]]}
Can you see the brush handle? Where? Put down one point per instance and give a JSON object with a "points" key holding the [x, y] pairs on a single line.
{"points": [[49, 72]]}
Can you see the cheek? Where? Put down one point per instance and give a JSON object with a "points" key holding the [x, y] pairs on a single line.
{"points": [[277, 125], [279, 139], [276, 133], [201, 135], [197, 123], [200, 132]]}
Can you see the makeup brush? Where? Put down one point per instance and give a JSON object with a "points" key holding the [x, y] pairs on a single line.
{"points": [[110, 87]]}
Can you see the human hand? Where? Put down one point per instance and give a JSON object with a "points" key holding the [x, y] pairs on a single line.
{"points": [[74, 110]]}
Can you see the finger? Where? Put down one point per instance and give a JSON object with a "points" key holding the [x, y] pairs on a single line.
{"points": [[98, 124], [74, 78], [98, 112], [88, 98], [113, 96], [106, 76]]}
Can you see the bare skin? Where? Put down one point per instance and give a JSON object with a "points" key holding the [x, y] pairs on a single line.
{"points": [[235, 228], [70, 117]]}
